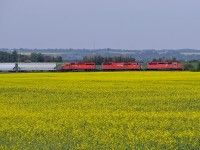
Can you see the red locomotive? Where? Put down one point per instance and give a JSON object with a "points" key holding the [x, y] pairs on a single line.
{"points": [[79, 66], [120, 66], [164, 66], [117, 66]]}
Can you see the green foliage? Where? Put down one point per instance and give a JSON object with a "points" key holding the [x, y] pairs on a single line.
{"points": [[38, 57], [7, 57], [100, 59], [100, 110], [34, 57], [189, 66], [198, 67], [163, 59]]}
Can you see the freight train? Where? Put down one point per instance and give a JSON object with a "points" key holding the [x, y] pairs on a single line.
{"points": [[89, 66]]}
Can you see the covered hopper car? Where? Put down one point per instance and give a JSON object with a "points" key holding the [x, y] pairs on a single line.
{"points": [[7, 66], [36, 66]]}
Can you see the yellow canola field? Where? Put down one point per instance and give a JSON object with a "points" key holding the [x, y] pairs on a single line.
{"points": [[100, 110]]}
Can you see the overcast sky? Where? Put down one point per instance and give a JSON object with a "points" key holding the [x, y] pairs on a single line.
{"points": [[125, 24]]}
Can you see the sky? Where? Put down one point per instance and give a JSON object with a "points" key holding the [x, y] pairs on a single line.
{"points": [[119, 24]]}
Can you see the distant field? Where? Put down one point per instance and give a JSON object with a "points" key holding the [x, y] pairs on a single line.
{"points": [[100, 110], [47, 53], [190, 53]]}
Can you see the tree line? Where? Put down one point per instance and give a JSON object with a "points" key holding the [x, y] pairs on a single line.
{"points": [[33, 57], [192, 66], [163, 59], [100, 59]]}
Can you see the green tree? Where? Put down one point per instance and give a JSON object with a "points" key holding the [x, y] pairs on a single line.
{"points": [[198, 67], [188, 66], [14, 56], [174, 59]]}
